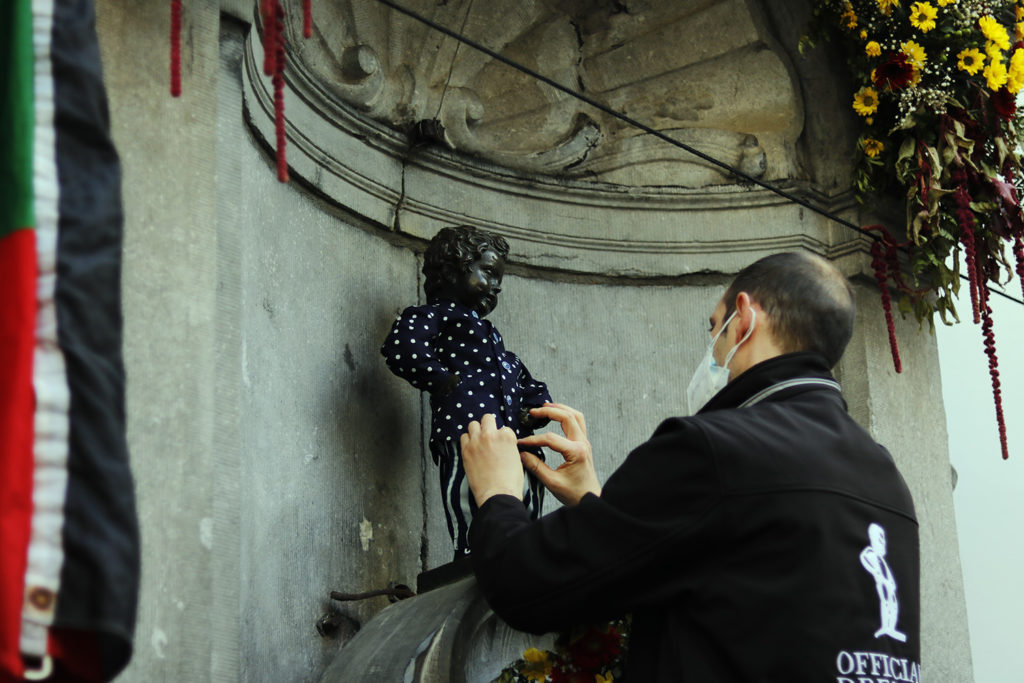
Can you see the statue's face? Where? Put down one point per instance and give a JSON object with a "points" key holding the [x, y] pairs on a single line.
{"points": [[479, 286]]}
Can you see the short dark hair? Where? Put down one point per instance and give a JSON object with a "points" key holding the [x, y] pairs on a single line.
{"points": [[452, 250], [810, 303]]}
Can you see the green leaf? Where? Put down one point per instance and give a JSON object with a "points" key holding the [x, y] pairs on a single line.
{"points": [[906, 148]]}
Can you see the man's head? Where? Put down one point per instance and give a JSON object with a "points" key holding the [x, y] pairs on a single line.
{"points": [[795, 302], [466, 265]]}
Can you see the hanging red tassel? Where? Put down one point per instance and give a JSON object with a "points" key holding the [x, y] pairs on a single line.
{"points": [[268, 12], [272, 15], [965, 218], [278, 80], [993, 361], [1018, 252], [993, 371], [175, 48], [878, 262]]}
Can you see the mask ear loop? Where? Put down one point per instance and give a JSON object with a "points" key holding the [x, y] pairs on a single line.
{"points": [[750, 331], [725, 325]]}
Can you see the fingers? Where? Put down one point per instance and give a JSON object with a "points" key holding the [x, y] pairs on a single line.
{"points": [[532, 463], [555, 442], [576, 414], [537, 467], [573, 424], [569, 483], [489, 459], [485, 428]]}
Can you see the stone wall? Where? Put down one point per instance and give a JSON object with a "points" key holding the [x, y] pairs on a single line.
{"points": [[275, 457]]}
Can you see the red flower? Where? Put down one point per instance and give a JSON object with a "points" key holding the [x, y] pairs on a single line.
{"points": [[894, 73], [594, 649], [1005, 103]]}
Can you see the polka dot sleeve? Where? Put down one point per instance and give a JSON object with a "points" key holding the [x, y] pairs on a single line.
{"points": [[408, 349], [535, 392]]}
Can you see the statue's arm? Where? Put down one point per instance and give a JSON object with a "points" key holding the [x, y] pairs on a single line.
{"points": [[408, 351], [535, 394]]}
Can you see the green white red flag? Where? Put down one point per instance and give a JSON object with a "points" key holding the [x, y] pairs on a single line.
{"points": [[68, 530]]}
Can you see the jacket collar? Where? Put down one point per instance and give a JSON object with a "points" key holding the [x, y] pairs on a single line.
{"points": [[455, 307], [802, 364]]}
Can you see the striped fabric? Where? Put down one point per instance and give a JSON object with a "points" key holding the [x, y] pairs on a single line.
{"points": [[69, 568]]}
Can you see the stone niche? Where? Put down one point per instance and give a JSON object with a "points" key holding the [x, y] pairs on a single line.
{"points": [[406, 127], [409, 128]]}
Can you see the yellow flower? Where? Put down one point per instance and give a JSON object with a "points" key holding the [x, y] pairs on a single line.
{"points": [[994, 31], [886, 5], [873, 49], [1018, 30], [863, 34], [538, 666], [849, 17], [1015, 75], [865, 102], [970, 60], [943, 3], [922, 16], [607, 678], [872, 147], [915, 53], [995, 75], [1020, 12], [533, 655], [993, 52], [870, 121]]}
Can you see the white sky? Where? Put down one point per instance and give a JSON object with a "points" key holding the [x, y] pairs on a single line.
{"points": [[988, 500]]}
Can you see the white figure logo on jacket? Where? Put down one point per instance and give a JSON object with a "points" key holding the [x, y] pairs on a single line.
{"points": [[873, 559]]}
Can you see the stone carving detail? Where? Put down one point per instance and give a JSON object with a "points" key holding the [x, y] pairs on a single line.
{"points": [[704, 72], [361, 81], [577, 190]]}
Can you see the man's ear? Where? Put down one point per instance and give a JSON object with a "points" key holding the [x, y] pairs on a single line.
{"points": [[744, 315]]}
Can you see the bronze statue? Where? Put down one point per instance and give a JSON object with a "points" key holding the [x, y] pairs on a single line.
{"points": [[448, 349]]}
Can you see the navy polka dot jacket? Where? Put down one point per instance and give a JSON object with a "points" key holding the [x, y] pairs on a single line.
{"points": [[428, 344]]}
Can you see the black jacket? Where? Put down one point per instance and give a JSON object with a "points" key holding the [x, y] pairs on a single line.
{"points": [[735, 537]]}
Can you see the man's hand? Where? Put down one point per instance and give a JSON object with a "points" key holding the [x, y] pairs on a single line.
{"points": [[576, 476], [491, 460]]}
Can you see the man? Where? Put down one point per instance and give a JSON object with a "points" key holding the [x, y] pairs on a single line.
{"points": [[733, 536]]}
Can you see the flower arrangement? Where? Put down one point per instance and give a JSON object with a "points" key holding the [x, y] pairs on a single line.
{"points": [[590, 654], [937, 83]]}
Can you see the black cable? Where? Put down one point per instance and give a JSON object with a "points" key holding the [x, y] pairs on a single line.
{"points": [[647, 129]]}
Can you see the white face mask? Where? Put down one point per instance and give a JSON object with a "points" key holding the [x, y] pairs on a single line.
{"points": [[709, 378]]}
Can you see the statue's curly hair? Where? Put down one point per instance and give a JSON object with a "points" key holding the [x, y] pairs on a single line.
{"points": [[452, 250]]}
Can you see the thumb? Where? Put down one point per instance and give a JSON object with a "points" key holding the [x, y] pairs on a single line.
{"points": [[537, 466]]}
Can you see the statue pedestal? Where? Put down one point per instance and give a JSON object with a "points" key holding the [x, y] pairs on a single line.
{"points": [[445, 634]]}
